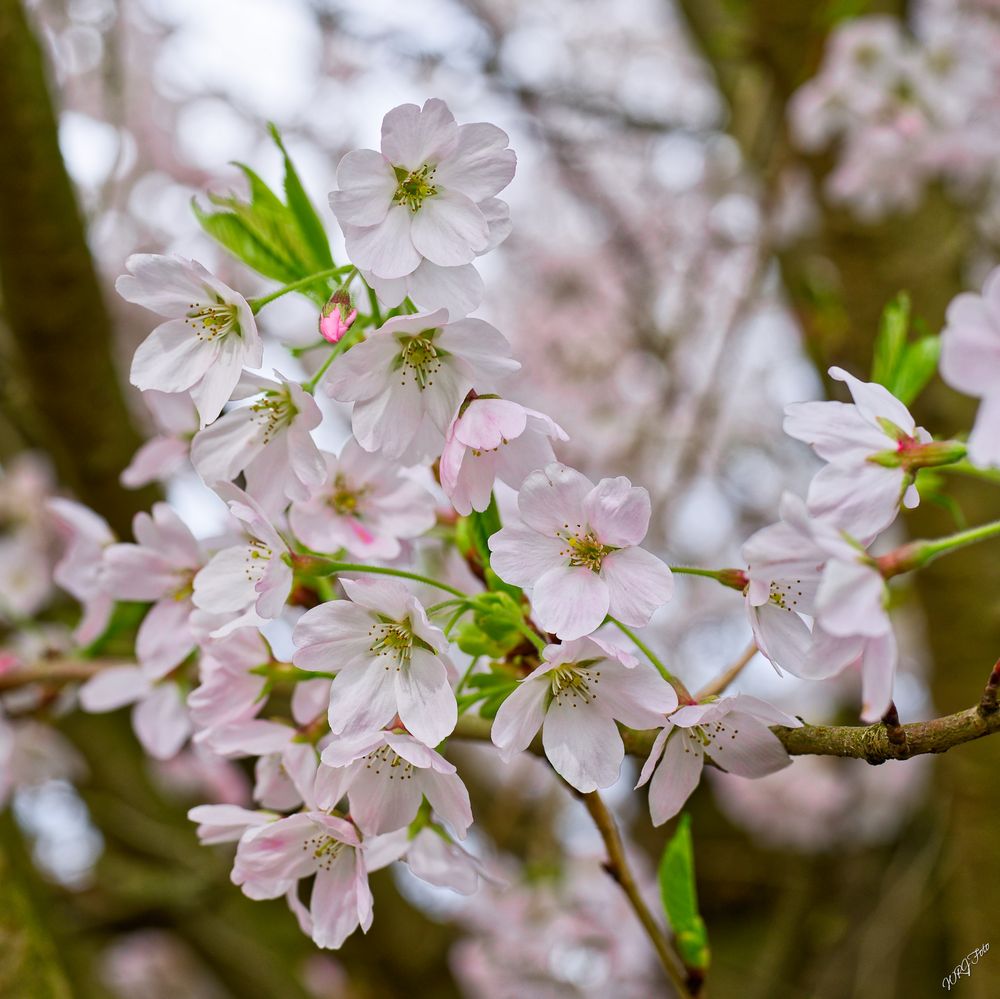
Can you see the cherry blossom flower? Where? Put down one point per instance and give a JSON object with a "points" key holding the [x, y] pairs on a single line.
{"points": [[209, 338], [578, 693], [226, 823], [248, 583], [366, 505], [79, 571], [229, 692], [408, 379], [421, 198], [161, 568], [576, 550], [806, 566], [970, 362], [164, 453], [869, 445], [271, 859], [732, 731], [159, 716], [388, 657], [492, 439], [386, 776], [268, 440]]}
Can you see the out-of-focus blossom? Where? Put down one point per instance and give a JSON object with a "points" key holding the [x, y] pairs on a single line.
{"points": [[365, 504], [408, 379], [867, 444], [576, 550], [733, 731], [209, 338], [970, 362], [268, 440], [176, 419], [492, 439], [576, 696]]}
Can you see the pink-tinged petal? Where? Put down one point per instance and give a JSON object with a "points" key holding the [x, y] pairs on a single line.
{"points": [[113, 688], [830, 654], [380, 595], [219, 383], [346, 749], [851, 600], [382, 800], [878, 673], [134, 572], [970, 358], [220, 452], [255, 737], [676, 776], [583, 746], [385, 249], [223, 586], [367, 184], [520, 717], [781, 635], [486, 424], [874, 401], [163, 284], [441, 401], [96, 616], [413, 136], [761, 710], [331, 636], [389, 422], [440, 862], [553, 499], [338, 896], [226, 823], [638, 583], [365, 370], [417, 753], [164, 639], [362, 698], [835, 430], [655, 752], [161, 721], [332, 784], [458, 289], [390, 291], [618, 512], [638, 697], [310, 699], [497, 215], [483, 350], [480, 165], [154, 461], [521, 556], [743, 746], [570, 601], [425, 700], [448, 229], [171, 358], [861, 499], [448, 797], [984, 441]]}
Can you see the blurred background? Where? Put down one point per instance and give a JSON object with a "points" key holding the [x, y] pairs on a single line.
{"points": [[714, 201]]}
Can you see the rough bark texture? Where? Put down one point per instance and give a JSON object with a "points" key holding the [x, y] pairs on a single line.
{"points": [[58, 381]]}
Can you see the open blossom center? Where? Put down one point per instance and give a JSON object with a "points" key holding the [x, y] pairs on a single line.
{"points": [[393, 640], [344, 500], [274, 411], [785, 594], [583, 548], [213, 322], [325, 850], [414, 186], [385, 759], [570, 684], [258, 555], [712, 732], [420, 358]]}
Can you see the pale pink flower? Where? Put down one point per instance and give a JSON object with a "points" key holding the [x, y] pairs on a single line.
{"points": [[492, 439], [209, 338], [226, 823], [271, 859], [732, 731], [386, 776], [229, 692], [160, 567], [159, 716], [388, 657], [576, 550], [576, 696], [970, 362], [176, 418], [246, 583], [80, 570], [268, 440], [422, 197], [366, 505], [408, 379], [859, 493], [805, 567]]}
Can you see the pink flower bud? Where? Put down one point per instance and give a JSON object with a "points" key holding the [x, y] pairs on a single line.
{"points": [[337, 317]]}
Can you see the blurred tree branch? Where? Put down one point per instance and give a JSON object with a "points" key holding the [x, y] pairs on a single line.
{"points": [[61, 388]]}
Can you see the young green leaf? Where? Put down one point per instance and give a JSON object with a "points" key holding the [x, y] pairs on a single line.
{"points": [[919, 364], [680, 898], [890, 344]]}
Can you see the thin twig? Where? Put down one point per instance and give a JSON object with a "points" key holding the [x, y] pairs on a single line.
{"points": [[617, 866], [721, 682]]}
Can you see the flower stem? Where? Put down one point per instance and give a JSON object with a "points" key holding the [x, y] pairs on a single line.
{"points": [[682, 691], [530, 634], [256, 304], [338, 349], [917, 554], [314, 565], [736, 579]]}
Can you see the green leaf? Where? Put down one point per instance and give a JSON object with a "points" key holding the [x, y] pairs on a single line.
{"points": [[890, 344], [919, 364], [494, 629], [680, 898]]}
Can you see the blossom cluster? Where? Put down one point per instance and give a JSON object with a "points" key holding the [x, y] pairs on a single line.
{"points": [[348, 734]]}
